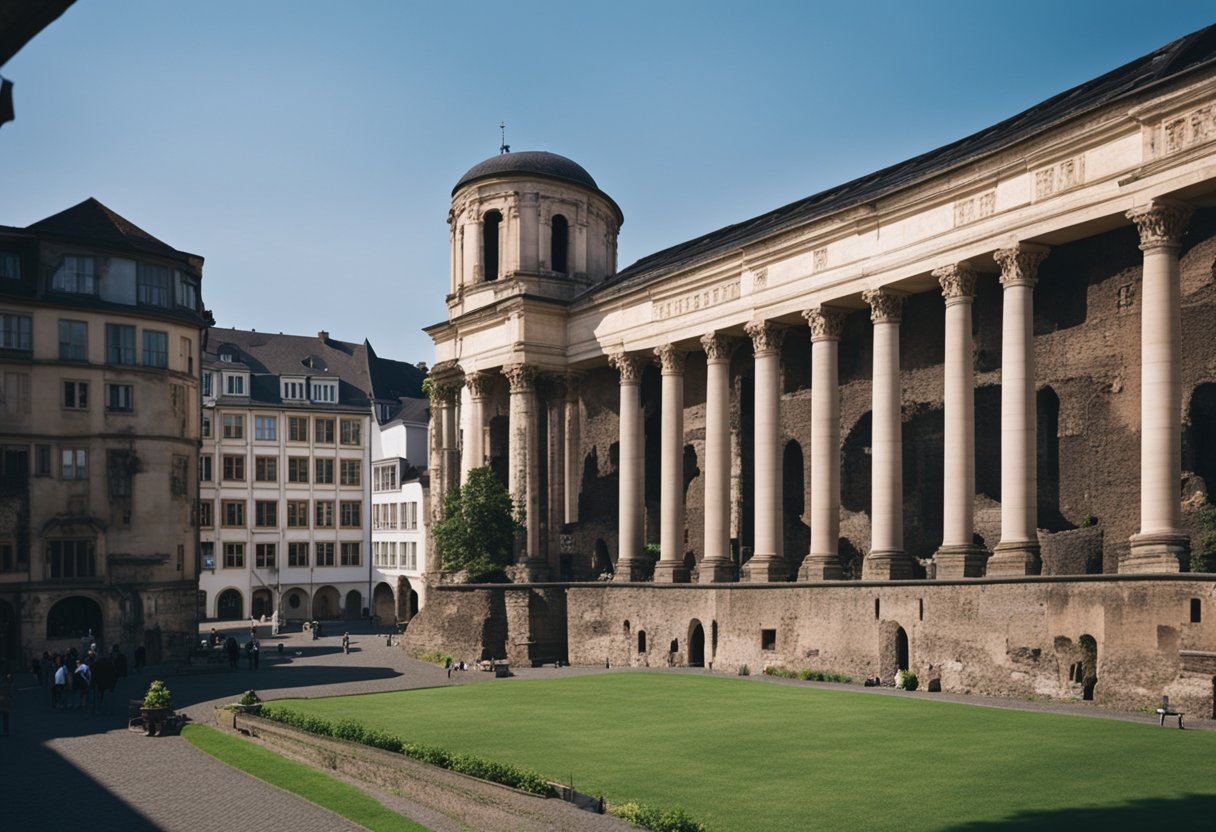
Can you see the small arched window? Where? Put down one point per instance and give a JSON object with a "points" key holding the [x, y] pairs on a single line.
{"points": [[641, 641], [559, 244], [489, 244]]}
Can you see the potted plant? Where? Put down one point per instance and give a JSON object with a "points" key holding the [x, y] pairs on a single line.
{"points": [[157, 706], [250, 703]]}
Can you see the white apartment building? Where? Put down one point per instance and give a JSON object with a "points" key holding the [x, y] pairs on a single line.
{"points": [[398, 484]]}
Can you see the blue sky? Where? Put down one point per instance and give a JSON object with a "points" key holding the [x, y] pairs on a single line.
{"points": [[308, 149]]}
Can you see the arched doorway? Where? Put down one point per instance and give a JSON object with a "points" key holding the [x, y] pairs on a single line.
{"points": [[383, 605], [8, 638], [413, 602], [1089, 666], [262, 603], [901, 649], [326, 603], [229, 606], [353, 602], [74, 618], [696, 644]]}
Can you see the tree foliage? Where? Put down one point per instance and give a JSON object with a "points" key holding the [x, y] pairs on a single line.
{"points": [[479, 526]]}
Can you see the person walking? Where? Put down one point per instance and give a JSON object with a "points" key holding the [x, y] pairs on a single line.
{"points": [[59, 682], [346, 643], [7, 695], [233, 651]]}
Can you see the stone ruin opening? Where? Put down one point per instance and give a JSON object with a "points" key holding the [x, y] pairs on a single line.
{"points": [[696, 644]]}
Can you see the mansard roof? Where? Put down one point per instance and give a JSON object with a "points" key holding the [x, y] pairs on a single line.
{"points": [[94, 222], [1187, 54]]}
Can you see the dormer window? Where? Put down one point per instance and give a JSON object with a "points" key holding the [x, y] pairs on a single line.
{"points": [[10, 265], [293, 390], [153, 285], [187, 291], [236, 384], [76, 275], [325, 391], [489, 244], [559, 243], [229, 354]]}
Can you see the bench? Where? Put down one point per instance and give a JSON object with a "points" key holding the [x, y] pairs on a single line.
{"points": [[1165, 711]]}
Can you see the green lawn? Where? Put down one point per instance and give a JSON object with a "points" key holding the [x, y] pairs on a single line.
{"points": [[300, 779], [742, 754]]}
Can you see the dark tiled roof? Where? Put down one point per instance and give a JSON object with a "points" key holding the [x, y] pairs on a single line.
{"points": [[413, 410], [90, 220], [1186, 54], [393, 379], [539, 162]]}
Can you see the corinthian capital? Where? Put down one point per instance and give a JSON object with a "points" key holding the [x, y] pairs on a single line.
{"points": [[886, 305], [629, 366], [520, 377], [1020, 263], [1161, 223], [957, 281], [766, 337], [480, 384], [717, 347], [826, 323], [671, 359]]}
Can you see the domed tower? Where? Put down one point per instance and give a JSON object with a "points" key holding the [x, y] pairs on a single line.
{"points": [[534, 218]]}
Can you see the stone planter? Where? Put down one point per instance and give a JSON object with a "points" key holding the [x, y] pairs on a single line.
{"points": [[225, 718], [247, 709], [154, 718]]}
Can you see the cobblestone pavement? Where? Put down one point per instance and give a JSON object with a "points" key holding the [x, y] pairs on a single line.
{"points": [[58, 764]]}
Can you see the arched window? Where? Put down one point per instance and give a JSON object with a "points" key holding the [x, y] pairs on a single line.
{"points": [[559, 244], [489, 244]]}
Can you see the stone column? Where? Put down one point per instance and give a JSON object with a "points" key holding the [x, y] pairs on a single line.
{"points": [[553, 394], [572, 436], [1018, 551], [472, 247], [1161, 544], [823, 562], [958, 556], [716, 564], [768, 563], [629, 554], [474, 456], [521, 475], [886, 560], [670, 568]]}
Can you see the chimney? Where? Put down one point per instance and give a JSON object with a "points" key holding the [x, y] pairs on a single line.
{"points": [[323, 336]]}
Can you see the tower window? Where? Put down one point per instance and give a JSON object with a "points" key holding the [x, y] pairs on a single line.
{"points": [[489, 242], [559, 244]]}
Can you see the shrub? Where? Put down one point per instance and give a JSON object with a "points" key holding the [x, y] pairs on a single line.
{"points": [[435, 657], [743, 670], [1203, 555], [158, 696], [250, 698], [808, 675], [780, 672], [657, 818], [906, 680]]}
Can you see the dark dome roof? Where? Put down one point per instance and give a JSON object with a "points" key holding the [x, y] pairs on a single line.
{"points": [[536, 162]]}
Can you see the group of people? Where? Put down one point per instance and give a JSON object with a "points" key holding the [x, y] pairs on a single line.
{"points": [[80, 679], [232, 648]]}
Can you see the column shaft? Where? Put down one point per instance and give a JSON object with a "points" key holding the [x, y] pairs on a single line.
{"points": [[474, 452], [629, 556], [768, 562], [572, 436], [670, 567], [716, 564], [521, 474], [823, 562]]}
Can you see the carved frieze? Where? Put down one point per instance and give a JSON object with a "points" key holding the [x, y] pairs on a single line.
{"points": [[974, 208], [766, 337], [520, 377], [629, 366], [886, 305], [1056, 178], [1187, 130], [671, 359], [819, 259], [957, 280], [826, 323], [1161, 223], [717, 346], [759, 279], [671, 307], [1020, 264]]}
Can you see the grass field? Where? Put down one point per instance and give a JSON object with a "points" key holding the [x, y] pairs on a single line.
{"points": [[306, 781], [746, 755]]}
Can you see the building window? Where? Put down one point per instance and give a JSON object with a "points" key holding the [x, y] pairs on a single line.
{"points": [[234, 384], [229, 354], [323, 431], [15, 332], [266, 469], [120, 344], [297, 554], [120, 398], [350, 554], [351, 472], [297, 514], [489, 244], [120, 470], [350, 432], [74, 463], [234, 467], [351, 514], [323, 472], [156, 349], [8, 558], [15, 392], [266, 514], [206, 424], [234, 555], [264, 556], [325, 392], [384, 477], [1196, 610], [297, 428], [559, 243], [71, 559], [186, 347], [10, 265], [293, 391], [76, 395], [206, 554], [266, 428], [152, 284], [324, 514], [768, 639], [208, 383], [325, 554], [234, 512], [73, 341], [297, 469], [77, 275], [409, 516], [42, 460], [410, 555], [204, 468], [187, 291], [234, 426], [206, 514]]}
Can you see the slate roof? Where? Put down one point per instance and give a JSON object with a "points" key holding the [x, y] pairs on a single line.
{"points": [[540, 162], [1187, 54], [90, 220]]}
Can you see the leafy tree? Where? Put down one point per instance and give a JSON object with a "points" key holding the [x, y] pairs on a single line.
{"points": [[479, 526], [1204, 556]]}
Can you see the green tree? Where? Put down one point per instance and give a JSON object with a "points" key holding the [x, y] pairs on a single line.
{"points": [[479, 526], [1203, 557]]}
